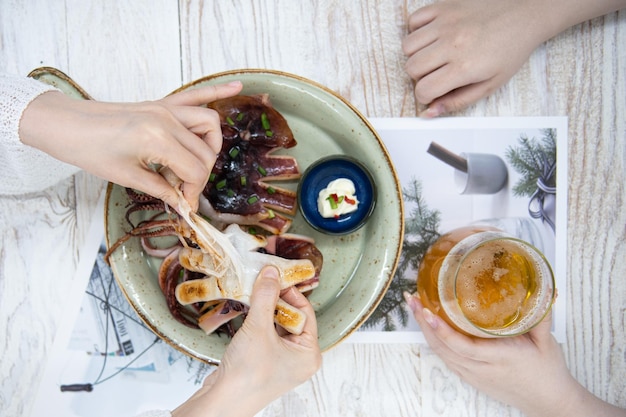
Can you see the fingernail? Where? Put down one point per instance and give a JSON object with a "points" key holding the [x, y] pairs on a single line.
{"points": [[430, 318], [413, 301], [432, 111], [234, 84], [410, 301], [270, 272]]}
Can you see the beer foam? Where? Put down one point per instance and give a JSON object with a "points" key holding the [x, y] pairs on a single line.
{"points": [[497, 283]]}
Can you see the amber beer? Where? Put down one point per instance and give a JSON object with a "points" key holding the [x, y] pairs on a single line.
{"points": [[486, 283]]}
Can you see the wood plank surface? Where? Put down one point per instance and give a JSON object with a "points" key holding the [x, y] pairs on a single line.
{"points": [[142, 50]]}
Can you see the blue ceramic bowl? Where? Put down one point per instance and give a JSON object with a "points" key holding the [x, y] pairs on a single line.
{"points": [[318, 176]]}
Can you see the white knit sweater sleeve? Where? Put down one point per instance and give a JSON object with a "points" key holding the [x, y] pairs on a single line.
{"points": [[23, 168]]}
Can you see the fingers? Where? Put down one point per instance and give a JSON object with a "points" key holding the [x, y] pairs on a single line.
{"points": [[203, 95], [542, 333], [455, 100], [416, 41], [450, 345], [428, 323], [202, 121], [154, 184], [183, 153], [425, 62], [422, 17], [420, 44], [264, 298], [298, 300], [194, 165], [198, 121], [442, 46]]}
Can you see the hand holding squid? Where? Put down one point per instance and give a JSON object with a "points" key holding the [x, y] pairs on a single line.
{"points": [[261, 363], [122, 142]]}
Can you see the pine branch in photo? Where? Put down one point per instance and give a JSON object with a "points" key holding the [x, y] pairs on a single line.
{"points": [[530, 159], [421, 227]]}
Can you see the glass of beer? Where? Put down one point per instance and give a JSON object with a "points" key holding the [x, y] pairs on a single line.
{"points": [[486, 283]]}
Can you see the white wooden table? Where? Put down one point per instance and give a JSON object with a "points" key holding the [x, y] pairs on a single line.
{"points": [[129, 51]]}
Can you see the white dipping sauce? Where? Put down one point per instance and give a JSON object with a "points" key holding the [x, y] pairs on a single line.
{"points": [[342, 193]]}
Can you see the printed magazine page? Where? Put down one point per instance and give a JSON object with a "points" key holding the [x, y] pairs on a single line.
{"points": [[439, 197], [103, 351]]}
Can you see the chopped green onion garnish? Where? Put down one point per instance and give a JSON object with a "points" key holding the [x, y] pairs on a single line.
{"points": [[230, 121], [271, 190], [269, 133], [243, 180], [240, 117], [252, 230], [265, 122], [220, 184], [230, 192], [340, 199], [261, 170], [253, 199], [333, 203], [234, 151], [271, 214], [212, 177]]}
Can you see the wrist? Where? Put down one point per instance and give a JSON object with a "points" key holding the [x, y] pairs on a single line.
{"points": [[227, 395], [52, 123], [567, 400]]}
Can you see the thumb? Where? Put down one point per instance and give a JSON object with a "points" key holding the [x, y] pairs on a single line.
{"points": [[541, 333], [202, 95], [264, 297]]}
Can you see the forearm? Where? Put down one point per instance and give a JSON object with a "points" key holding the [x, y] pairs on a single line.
{"points": [[554, 16], [571, 401], [223, 396], [55, 123]]}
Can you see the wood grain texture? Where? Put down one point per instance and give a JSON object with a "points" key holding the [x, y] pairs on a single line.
{"points": [[141, 50], [350, 47], [124, 51], [32, 35], [41, 235], [591, 68]]}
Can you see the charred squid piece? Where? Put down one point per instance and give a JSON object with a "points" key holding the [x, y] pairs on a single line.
{"points": [[231, 274], [207, 267], [231, 262], [169, 275], [220, 315], [240, 184], [293, 246]]}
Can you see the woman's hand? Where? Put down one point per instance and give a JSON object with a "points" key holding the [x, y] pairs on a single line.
{"points": [[122, 142], [462, 50], [528, 371], [262, 362]]}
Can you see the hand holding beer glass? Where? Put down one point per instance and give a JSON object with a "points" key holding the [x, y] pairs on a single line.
{"points": [[486, 283]]}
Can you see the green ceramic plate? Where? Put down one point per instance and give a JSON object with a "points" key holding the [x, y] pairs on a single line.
{"points": [[358, 268]]}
